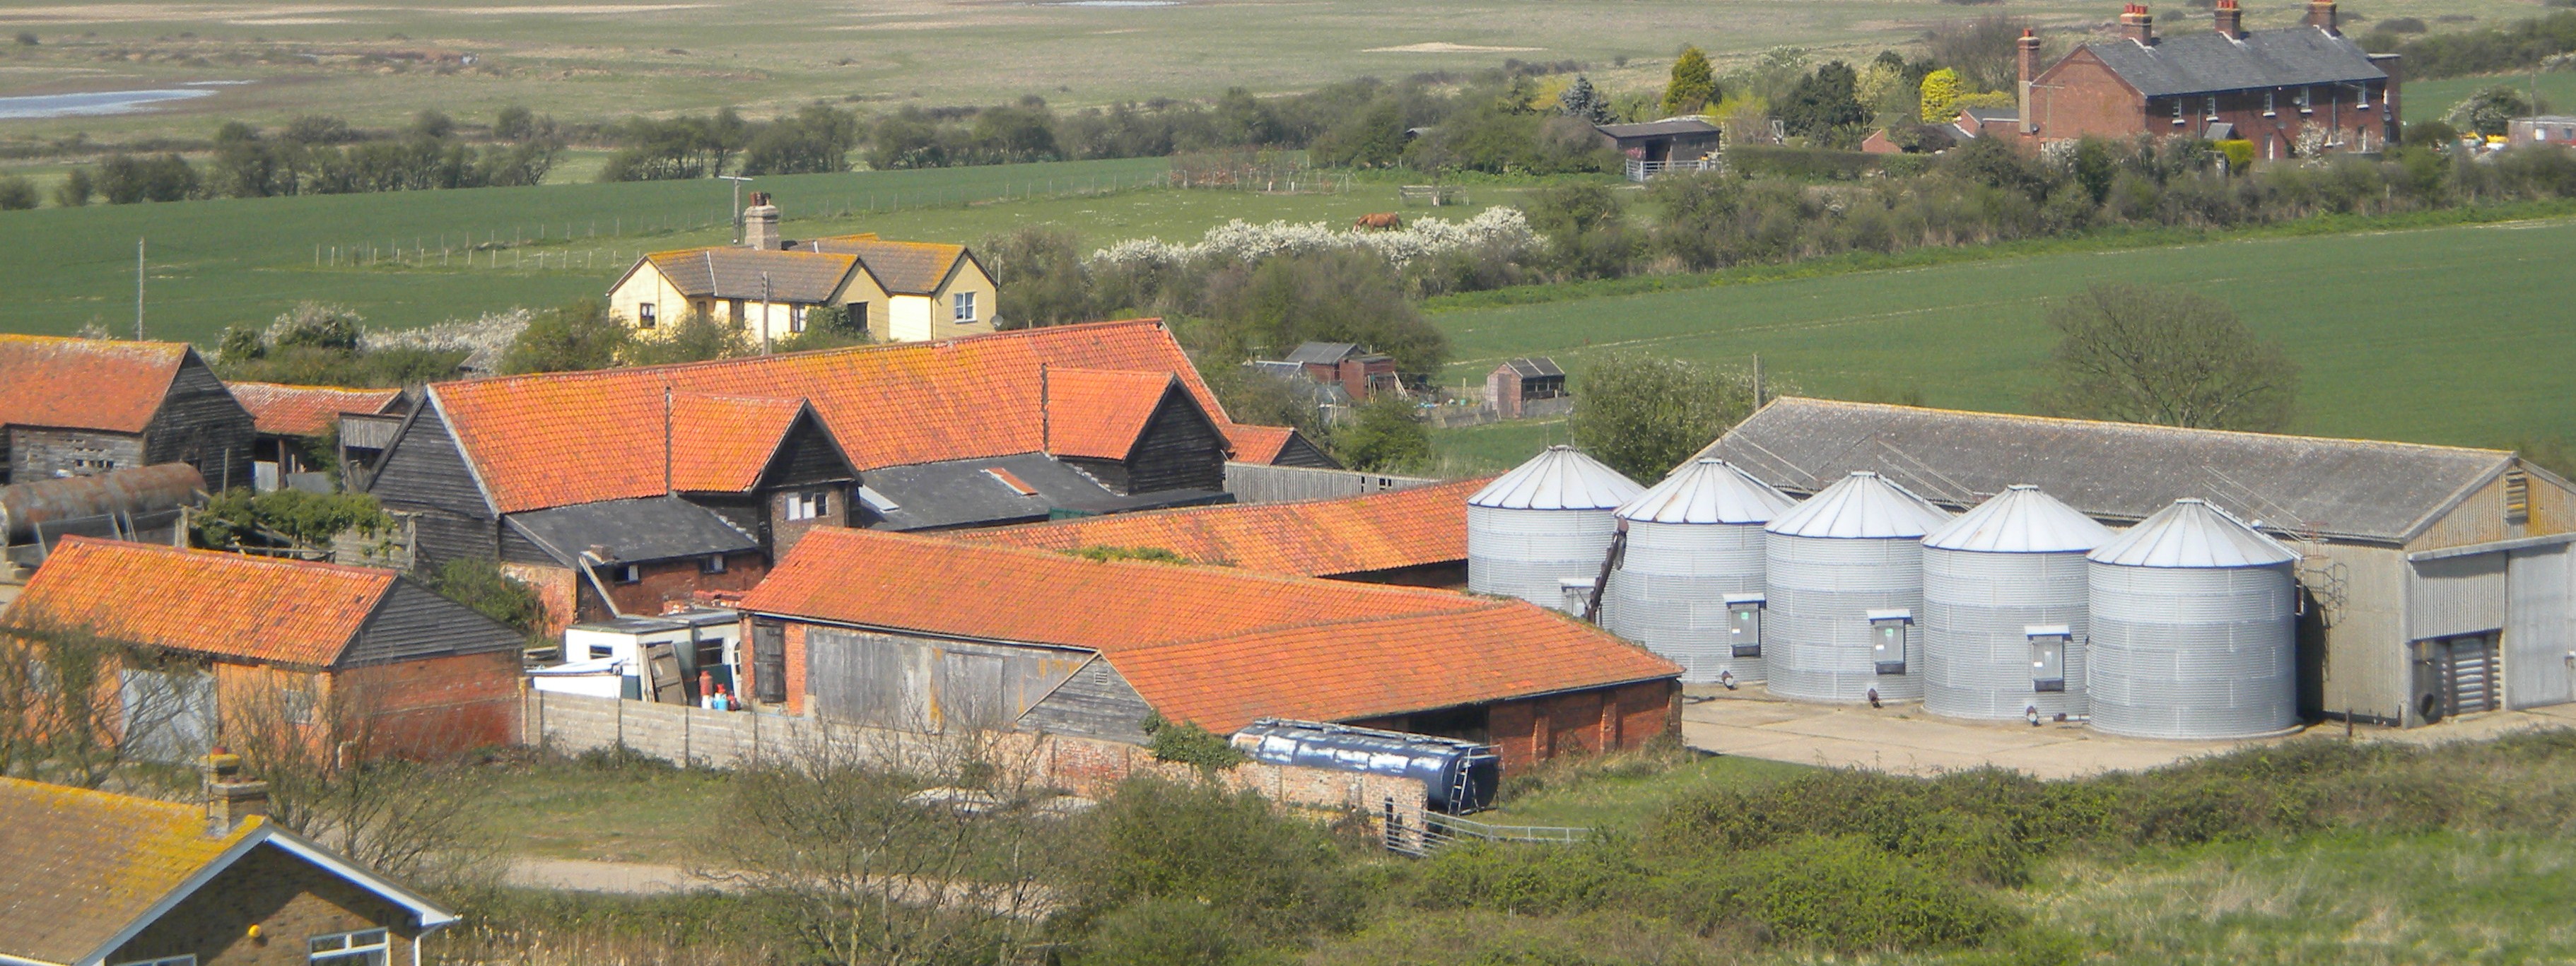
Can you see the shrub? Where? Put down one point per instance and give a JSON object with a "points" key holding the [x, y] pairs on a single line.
{"points": [[1845, 895], [17, 193], [2239, 153], [1163, 932], [1533, 880], [481, 585], [1276, 874], [76, 190], [1186, 742]]}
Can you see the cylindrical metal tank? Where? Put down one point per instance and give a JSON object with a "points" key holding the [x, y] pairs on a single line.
{"points": [[2004, 608], [53, 503], [1844, 572], [1545, 521], [1693, 561], [1457, 776], [2194, 630]]}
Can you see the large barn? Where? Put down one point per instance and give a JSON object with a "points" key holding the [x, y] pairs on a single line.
{"points": [[1415, 536], [2428, 575]]}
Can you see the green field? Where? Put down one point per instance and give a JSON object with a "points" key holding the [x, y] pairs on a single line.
{"points": [[2429, 100], [2448, 335], [219, 262]]}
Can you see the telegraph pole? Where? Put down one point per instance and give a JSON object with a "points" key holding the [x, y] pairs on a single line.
{"points": [[138, 290], [737, 204]]}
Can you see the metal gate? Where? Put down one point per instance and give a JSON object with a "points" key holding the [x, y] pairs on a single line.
{"points": [[2466, 676]]}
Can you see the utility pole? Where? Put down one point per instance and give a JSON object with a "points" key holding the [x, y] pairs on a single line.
{"points": [[1757, 382], [737, 204], [764, 313], [138, 290]]}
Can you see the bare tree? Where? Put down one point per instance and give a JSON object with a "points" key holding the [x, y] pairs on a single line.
{"points": [[328, 779], [2175, 358], [896, 851], [1982, 50], [76, 705]]}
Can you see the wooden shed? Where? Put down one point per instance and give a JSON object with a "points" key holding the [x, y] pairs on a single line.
{"points": [[80, 407]]}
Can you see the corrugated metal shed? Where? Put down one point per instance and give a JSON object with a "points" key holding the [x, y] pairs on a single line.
{"points": [[1707, 491], [2206, 61], [1663, 128], [1559, 479], [2114, 472], [1322, 353], [2020, 520], [2192, 533], [629, 531], [1862, 506]]}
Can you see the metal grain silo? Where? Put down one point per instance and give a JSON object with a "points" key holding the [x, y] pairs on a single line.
{"points": [[1543, 522], [1689, 584], [2193, 632], [1845, 576], [2004, 608]]}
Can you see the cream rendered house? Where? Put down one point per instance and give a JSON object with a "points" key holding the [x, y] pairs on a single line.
{"points": [[907, 291]]}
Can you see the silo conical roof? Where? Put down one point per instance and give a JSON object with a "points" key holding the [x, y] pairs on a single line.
{"points": [[2021, 519], [2192, 533], [1861, 506], [1558, 479], [1708, 491]]}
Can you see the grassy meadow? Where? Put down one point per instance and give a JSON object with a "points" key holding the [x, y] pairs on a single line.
{"points": [[2438, 335]]}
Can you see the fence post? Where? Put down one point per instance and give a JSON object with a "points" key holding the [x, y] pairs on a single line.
{"points": [[621, 721]]}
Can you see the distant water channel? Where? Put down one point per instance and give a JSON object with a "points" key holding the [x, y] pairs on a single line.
{"points": [[91, 103]]}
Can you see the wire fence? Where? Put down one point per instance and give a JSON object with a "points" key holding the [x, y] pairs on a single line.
{"points": [[558, 246]]}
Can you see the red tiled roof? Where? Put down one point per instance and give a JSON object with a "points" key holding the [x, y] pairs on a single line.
{"points": [[1316, 538], [202, 601], [560, 438], [1216, 646], [85, 383], [721, 444], [283, 410], [1259, 444], [1099, 413]]}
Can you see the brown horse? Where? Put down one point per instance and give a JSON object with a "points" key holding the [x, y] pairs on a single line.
{"points": [[1381, 221]]}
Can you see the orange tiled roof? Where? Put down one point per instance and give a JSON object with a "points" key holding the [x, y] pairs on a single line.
{"points": [[85, 383], [1212, 645], [84, 865], [1099, 413], [562, 438], [202, 601], [1316, 538], [283, 410], [1259, 444], [721, 444]]}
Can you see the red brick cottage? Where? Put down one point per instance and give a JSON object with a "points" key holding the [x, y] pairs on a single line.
{"points": [[2300, 89]]}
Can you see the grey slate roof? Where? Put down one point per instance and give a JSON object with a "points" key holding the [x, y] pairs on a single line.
{"points": [[2201, 62], [1322, 353], [2113, 472], [904, 268], [1996, 115], [1534, 367], [1664, 128], [632, 531], [959, 493], [734, 273]]}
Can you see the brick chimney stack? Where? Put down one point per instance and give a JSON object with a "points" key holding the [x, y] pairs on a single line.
{"points": [[760, 223], [2137, 24], [2321, 15], [2231, 19], [2026, 60], [231, 797]]}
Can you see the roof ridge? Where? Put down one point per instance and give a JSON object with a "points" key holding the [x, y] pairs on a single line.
{"points": [[1341, 588], [2148, 427], [1478, 605], [178, 809], [227, 557]]}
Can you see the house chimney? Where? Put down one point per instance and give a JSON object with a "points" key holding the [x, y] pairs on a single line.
{"points": [[2231, 19], [760, 223], [2027, 60], [231, 798], [2136, 24], [2321, 15]]}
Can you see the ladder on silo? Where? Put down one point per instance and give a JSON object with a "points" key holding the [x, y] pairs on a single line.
{"points": [[2323, 577]]}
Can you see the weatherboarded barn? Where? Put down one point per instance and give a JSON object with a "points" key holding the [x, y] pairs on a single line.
{"points": [[292, 419], [426, 674], [1416, 537], [2429, 575], [80, 407], [841, 630]]}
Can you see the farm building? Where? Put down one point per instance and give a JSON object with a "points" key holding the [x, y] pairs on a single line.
{"points": [[692, 459], [840, 630], [2293, 91], [95, 878], [1357, 371], [2558, 129], [1519, 382], [144, 503], [902, 291], [78, 407], [1653, 147], [291, 418], [1415, 537], [422, 674], [2431, 580]]}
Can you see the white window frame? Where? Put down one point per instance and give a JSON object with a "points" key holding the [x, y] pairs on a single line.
{"points": [[962, 308], [2365, 95], [647, 315], [2178, 110], [2268, 110], [809, 505], [796, 319], [2307, 100], [713, 563], [630, 574], [349, 950], [189, 959], [2212, 106]]}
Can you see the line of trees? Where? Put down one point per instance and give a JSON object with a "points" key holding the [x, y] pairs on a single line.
{"points": [[317, 155], [2520, 45]]}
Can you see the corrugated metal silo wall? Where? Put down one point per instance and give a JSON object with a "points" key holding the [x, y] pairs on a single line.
{"points": [[1816, 633], [1523, 553], [2181, 652], [1670, 590], [1977, 608]]}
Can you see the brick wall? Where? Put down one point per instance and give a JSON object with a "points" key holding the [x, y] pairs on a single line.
{"points": [[558, 590], [1533, 730], [672, 581], [440, 706], [290, 900], [571, 724]]}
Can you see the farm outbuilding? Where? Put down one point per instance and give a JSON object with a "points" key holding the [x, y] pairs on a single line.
{"points": [[2430, 580], [81, 407], [1416, 537], [1033, 640], [292, 418], [145, 504], [1513, 386], [417, 673]]}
